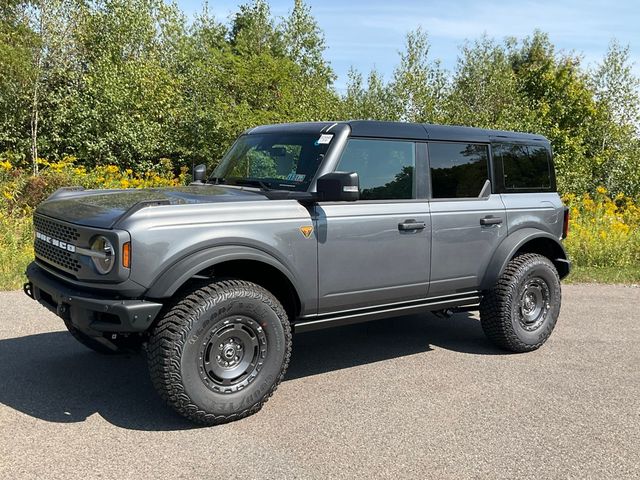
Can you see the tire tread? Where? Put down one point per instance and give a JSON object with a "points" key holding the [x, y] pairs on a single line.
{"points": [[164, 349], [496, 306]]}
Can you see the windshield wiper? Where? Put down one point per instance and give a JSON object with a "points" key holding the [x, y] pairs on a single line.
{"points": [[216, 180], [251, 183]]}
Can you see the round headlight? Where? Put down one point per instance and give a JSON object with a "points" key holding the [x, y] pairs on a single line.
{"points": [[105, 255]]}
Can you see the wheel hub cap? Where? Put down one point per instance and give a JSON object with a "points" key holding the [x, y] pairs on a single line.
{"points": [[232, 354], [534, 303]]}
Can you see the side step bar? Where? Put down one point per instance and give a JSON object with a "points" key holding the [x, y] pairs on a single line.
{"points": [[462, 302]]}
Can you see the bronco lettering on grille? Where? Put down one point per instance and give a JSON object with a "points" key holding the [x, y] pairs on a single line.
{"points": [[55, 242]]}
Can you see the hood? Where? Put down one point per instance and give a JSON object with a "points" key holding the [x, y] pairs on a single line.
{"points": [[103, 208]]}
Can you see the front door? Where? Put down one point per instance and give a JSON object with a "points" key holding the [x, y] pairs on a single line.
{"points": [[374, 251]]}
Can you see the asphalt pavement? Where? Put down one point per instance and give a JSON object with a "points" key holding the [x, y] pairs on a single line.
{"points": [[414, 397]]}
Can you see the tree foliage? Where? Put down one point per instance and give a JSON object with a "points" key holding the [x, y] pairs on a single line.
{"points": [[130, 82]]}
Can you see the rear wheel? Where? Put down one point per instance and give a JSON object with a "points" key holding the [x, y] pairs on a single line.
{"points": [[220, 352], [521, 310]]}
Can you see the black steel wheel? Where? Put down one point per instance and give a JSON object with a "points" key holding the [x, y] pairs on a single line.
{"points": [[521, 310], [220, 352], [232, 354], [534, 304]]}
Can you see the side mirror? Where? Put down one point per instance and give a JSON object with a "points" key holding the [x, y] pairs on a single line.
{"points": [[339, 187], [199, 173]]}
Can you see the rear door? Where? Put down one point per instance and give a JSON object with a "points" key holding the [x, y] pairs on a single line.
{"points": [[468, 221], [375, 251]]}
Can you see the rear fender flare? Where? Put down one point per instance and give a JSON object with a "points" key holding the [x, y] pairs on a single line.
{"points": [[510, 246]]}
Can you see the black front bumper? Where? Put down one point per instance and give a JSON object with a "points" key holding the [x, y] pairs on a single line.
{"points": [[90, 313]]}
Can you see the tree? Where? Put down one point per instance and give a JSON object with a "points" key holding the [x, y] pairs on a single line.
{"points": [[557, 92], [131, 96], [17, 43], [419, 85], [373, 102], [304, 43], [617, 95], [484, 90], [253, 30], [55, 67]]}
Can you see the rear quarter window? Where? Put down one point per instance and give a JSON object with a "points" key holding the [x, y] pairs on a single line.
{"points": [[523, 167]]}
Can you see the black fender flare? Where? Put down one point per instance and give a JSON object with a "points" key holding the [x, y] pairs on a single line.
{"points": [[172, 278], [514, 242]]}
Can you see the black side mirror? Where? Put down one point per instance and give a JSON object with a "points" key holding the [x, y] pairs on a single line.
{"points": [[199, 173], [339, 187]]}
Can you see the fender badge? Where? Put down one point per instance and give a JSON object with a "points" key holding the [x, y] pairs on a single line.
{"points": [[306, 230]]}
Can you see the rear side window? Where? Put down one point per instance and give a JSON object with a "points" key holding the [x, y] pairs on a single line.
{"points": [[385, 168], [458, 170], [524, 167]]}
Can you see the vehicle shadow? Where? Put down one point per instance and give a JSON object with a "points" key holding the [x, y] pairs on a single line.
{"points": [[344, 347], [51, 377]]}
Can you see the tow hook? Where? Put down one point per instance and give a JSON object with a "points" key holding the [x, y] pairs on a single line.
{"points": [[28, 290]]}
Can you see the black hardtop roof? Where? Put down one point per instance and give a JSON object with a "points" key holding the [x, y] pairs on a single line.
{"points": [[402, 130]]}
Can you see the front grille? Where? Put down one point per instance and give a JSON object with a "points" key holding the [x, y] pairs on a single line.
{"points": [[56, 256], [56, 230], [53, 253]]}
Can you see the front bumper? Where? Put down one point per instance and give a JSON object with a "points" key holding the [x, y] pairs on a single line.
{"points": [[90, 313]]}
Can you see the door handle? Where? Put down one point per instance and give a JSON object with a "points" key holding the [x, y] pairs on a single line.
{"points": [[490, 220], [409, 225]]}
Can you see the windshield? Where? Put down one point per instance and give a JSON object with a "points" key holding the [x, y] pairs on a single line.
{"points": [[282, 161]]}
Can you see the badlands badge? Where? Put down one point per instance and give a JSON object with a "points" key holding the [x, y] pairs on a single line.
{"points": [[306, 230]]}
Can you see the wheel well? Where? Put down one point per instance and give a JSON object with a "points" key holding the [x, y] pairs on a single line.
{"points": [[267, 276], [548, 248]]}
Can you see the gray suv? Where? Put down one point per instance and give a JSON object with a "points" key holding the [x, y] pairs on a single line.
{"points": [[305, 226]]}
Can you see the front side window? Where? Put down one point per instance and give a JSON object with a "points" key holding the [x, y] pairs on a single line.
{"points": [[524, 167], [458, 170], [286, 161], [385, 168]]}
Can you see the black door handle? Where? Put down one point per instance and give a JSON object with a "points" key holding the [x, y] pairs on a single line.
{"points": [[490, 220], [409, 225]]}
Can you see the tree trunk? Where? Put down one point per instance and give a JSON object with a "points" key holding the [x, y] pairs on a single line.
{"points": [[34, 128]]}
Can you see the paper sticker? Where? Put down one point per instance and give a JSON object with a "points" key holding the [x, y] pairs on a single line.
{"points": [[296, 177], [324, 139]]}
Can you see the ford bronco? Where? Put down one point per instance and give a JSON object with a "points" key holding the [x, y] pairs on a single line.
{"points": [[299, 227]]}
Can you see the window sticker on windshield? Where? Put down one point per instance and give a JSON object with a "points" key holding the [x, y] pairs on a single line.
{"points": [[324, 139], [296, 177]]}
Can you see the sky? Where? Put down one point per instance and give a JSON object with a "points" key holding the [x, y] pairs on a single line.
{"points": [[370, 34]]}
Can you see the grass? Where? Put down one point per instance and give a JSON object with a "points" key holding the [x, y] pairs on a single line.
{"points": [[625, 275], [16, 234]]}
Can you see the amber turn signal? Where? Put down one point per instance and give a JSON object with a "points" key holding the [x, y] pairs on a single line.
{"points": [[126, 255]]}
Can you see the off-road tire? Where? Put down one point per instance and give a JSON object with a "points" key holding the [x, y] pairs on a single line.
{"points": [[121, 345], [182, 351], [504, 308]]}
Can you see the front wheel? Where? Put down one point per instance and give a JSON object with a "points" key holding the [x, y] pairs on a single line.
{"points": [[220, 352], [521, 310]]}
